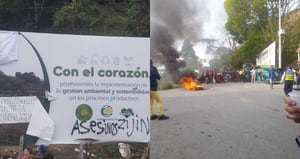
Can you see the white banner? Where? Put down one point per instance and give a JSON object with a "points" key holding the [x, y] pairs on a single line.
{"points": [[24, 110], [267, 56], [16, 109], [8, 47], [99, 86]]}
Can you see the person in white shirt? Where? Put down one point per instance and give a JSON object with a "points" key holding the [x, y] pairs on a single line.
{"points": [[253, 76]]}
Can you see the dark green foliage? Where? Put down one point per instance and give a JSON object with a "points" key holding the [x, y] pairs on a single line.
{"points": [[94, 17], [88, 18], [139, 18]]}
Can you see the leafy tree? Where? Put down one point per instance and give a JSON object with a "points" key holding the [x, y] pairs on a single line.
{"points": [[221, 58], [33, 15], [291, 38], [219, 50], [138, 18], [11, 9], [97, 17], [189, 55], [254, 25], [237, 24], [88, 17]]}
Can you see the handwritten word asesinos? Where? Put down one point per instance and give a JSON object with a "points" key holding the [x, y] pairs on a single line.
{"points": [[112, 126]]}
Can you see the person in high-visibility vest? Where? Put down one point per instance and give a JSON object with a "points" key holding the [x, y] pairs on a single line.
{"points": [[288, 77]]}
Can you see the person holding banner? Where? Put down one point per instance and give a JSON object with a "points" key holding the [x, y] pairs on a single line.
{"points": [[154, 76]]}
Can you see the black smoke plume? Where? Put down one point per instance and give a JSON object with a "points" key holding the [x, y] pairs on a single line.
{"points": [[173, 21], [163, 51]]}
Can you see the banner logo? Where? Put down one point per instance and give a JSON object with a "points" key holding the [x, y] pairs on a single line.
{"points": [[106, 111], [126, 112], [84, 112]]}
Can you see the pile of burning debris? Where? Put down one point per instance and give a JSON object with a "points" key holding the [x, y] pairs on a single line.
{"points": [[190, 83]]}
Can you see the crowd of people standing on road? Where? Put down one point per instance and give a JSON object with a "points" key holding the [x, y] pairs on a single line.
{"points": [[251, 74], [218, 76]]}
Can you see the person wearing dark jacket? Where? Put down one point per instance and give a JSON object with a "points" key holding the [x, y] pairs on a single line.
{"points": [[154, 76]]}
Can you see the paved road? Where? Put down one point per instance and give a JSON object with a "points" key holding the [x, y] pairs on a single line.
{"points": [[225, 121]]}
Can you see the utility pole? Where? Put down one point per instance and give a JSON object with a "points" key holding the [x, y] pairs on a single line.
{"points": [[279, 34]]}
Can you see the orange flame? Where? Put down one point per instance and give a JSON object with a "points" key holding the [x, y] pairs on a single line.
{"points": [[190, 83]]}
